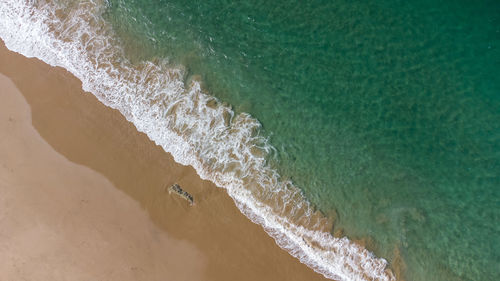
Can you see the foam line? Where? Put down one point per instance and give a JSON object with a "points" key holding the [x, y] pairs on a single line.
{"points": [[193, 126]]}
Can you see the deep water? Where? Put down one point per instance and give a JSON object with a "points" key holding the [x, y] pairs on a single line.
{"points": [[385, 113]]}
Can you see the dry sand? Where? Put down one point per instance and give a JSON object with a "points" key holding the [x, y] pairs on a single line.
{"points": [[65, 221]]}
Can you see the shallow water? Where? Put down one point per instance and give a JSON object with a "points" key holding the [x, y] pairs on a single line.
{"points": [[386, 113]]}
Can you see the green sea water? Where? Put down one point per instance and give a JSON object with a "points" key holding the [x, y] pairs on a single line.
{"points": [[385, 113]]}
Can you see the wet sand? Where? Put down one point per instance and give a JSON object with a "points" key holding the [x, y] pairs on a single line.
{"points": [[210, 240]]}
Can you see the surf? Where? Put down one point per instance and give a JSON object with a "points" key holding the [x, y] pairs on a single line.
{"points": [[195, 127]]}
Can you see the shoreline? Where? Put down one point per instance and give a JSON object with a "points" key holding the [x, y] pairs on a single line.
{"points": [[222, 147], [86, 132]]}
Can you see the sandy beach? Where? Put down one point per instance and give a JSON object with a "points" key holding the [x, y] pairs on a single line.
{"points": [[83, 196], [63, 221]]}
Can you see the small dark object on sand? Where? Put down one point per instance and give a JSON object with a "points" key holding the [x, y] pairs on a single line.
{"points": [[183, 194]]}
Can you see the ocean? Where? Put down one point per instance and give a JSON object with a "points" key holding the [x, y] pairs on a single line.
{"points": [[378, 122]]}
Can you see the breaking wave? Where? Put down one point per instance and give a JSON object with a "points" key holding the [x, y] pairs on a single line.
{"points": [[223, 147]]}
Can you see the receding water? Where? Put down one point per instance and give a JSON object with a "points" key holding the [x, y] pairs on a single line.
{"points": [[385, 113]]}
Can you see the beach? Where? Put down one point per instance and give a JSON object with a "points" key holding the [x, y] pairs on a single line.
{"points": [[83, 195], [254, 140]]}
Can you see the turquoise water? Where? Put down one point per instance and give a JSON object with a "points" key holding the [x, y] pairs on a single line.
{"points": [[386, 114]]}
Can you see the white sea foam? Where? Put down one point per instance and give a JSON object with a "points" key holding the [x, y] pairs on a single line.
{"points": [[194, 127]]}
